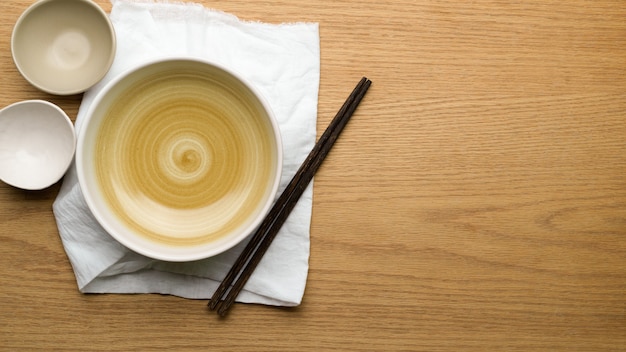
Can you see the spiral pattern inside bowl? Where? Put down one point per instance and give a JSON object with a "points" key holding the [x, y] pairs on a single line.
{"points": [[183, 158]]}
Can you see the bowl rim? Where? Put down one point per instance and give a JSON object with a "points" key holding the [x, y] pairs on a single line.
{"points": [[90, 193], [51, 90], [68, 122]]}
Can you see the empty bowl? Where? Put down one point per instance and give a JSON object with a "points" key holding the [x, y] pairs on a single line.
{"points": [[37, 144], [63, 47], [179, 159]]}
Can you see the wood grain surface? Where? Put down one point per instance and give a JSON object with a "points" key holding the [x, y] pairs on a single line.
{"points": [[476, 201]]}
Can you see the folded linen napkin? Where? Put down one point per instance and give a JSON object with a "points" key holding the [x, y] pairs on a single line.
{"points": [[282, 61]]}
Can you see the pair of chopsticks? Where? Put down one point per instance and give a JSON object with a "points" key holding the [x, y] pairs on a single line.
{"points": [[241, 271]]}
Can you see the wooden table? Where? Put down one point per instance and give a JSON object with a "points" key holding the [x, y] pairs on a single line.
{"points": [[476, 201]]}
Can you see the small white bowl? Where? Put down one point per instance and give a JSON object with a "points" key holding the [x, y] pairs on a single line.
{"points": [[37, 144], [63, 47]]}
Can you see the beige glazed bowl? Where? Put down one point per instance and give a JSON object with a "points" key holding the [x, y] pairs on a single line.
{"points": [[63, 47], [179, 159]]}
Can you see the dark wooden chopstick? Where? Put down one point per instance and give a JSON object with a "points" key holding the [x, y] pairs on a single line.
{"points": [[259, 243]]}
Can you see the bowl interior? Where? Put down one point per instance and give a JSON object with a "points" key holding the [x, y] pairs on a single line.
{"points": [[37, 144], [179, 159], [63, 46]]}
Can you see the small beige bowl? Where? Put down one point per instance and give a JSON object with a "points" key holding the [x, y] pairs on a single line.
{"points": [[37, 144], [63, 47]]}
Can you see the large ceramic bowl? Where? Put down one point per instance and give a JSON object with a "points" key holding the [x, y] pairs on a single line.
{"points": [[179, 159]]}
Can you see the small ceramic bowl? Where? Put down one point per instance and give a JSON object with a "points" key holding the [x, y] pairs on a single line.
{"points": [[37, 144], [63, 47]]}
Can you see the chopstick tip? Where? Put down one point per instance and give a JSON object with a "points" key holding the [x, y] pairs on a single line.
{"points": [[212, 304]]}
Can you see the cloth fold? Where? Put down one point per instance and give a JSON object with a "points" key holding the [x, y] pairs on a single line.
{"points": [[282, 61]]}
